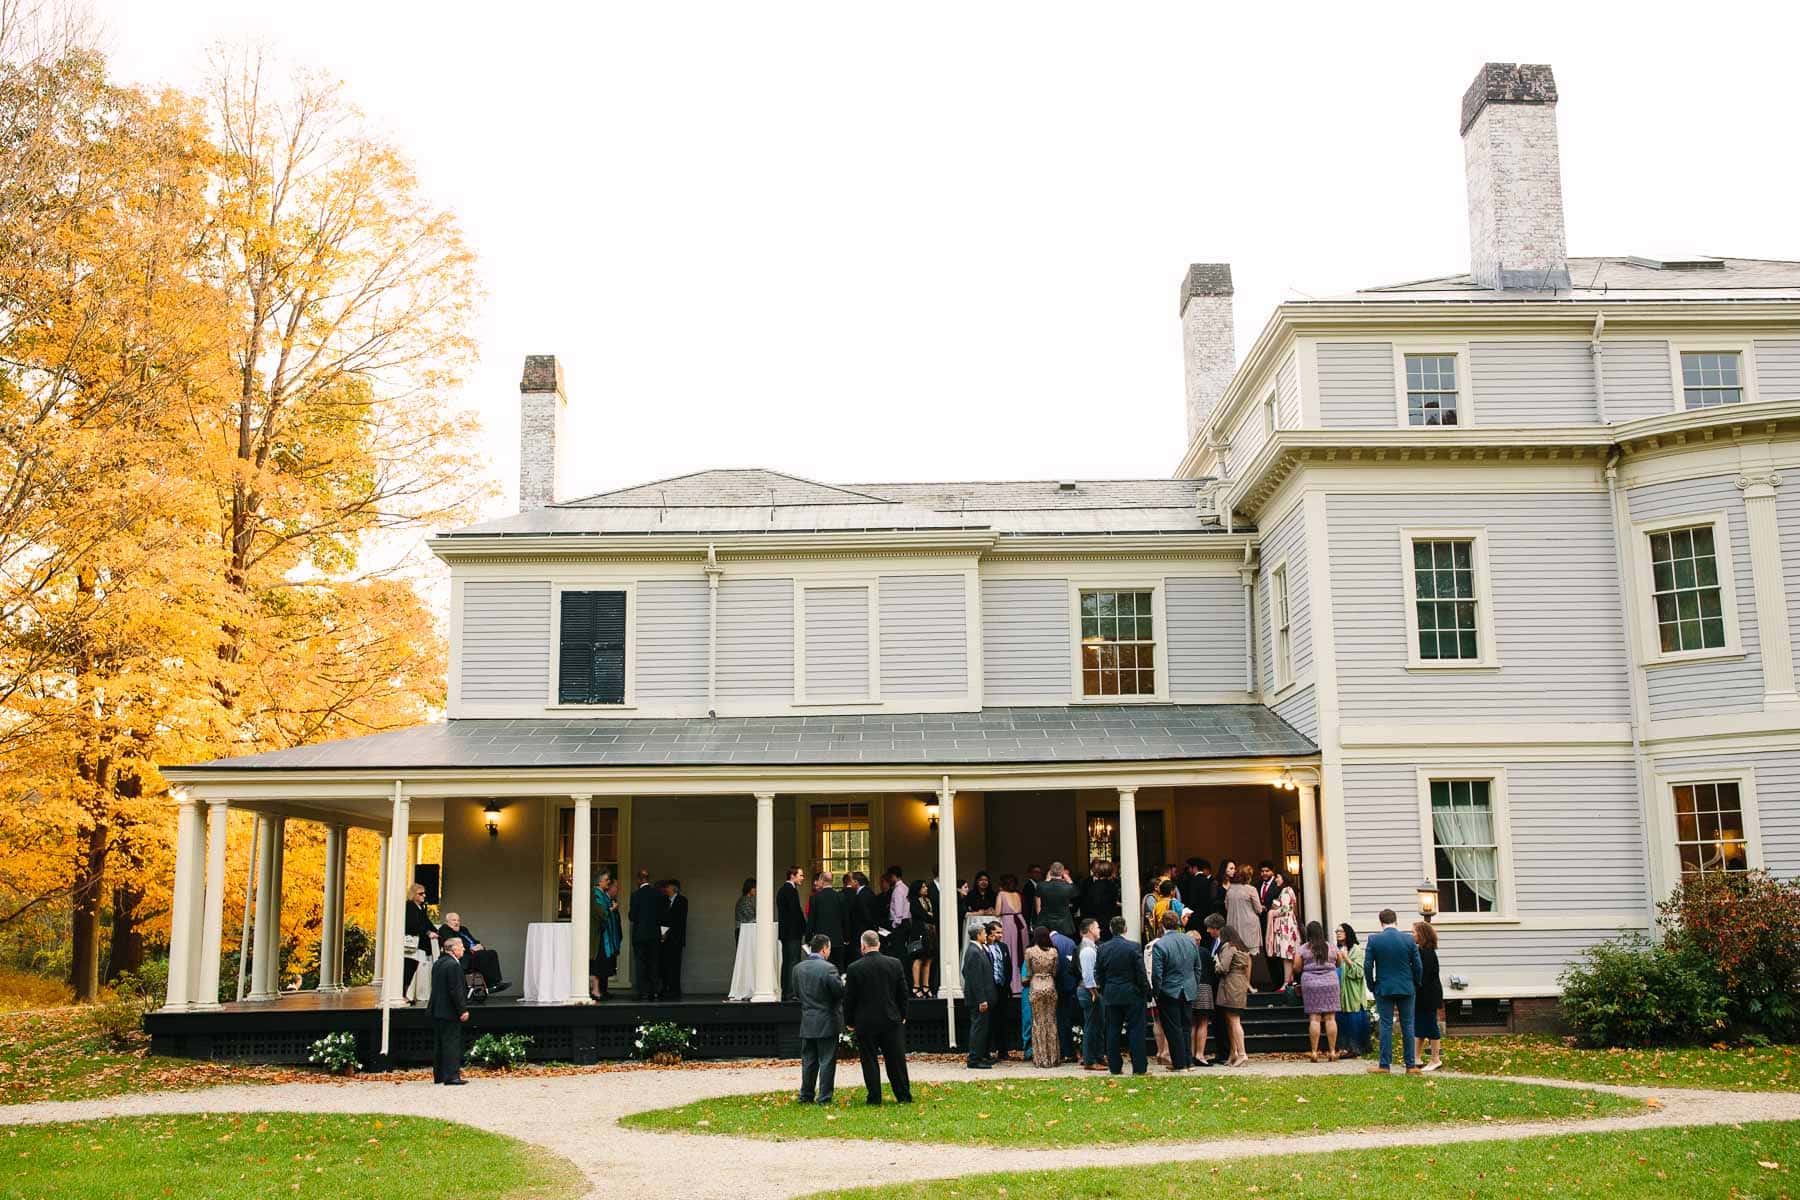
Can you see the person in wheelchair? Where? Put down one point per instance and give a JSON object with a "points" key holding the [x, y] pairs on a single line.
{"points": [[477, 958]]}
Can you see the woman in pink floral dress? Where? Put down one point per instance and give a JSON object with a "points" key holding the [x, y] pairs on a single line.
{"points": [[1284, 931]]}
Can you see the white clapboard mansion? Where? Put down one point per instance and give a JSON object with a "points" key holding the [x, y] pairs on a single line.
{"points": [[1484, 582]]}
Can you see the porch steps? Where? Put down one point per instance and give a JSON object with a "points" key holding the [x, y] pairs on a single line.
{"points": [[1274, 1024]]}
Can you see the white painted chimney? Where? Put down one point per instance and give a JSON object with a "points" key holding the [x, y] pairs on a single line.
{"points": [[541, 405], [1208, 348], [1515, 179]]}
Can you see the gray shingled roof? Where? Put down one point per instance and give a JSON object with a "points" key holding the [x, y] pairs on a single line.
{"points": [[1100, 733], [1591, 278]]}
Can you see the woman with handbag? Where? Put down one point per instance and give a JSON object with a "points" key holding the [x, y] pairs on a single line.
{"points": [[921, 936]]}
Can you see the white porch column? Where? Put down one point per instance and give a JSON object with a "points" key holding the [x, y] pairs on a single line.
{"points": [[189, 849], [581, 897], [1312, 892], [949, 931], [767, 971], [1130, 885], [398, 880], [382, 864], [331, 931], [212, 922], [243, 978], [268, 903]]}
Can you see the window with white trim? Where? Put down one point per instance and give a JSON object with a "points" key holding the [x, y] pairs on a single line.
{"points": [[1431, 389], [1685, 590], [1445, 605], [1710, 831], [1283, 625], [1118, 643], [1465, 845], [1711, 378], [1271, 415]]}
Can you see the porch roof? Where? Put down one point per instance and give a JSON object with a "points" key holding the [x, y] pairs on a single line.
{"points": [[997, 736]]}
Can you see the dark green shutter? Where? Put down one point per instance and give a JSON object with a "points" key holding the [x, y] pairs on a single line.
{"points": [[591, 657]]}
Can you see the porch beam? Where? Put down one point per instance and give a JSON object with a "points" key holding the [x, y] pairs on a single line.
{"points": [[212, 920], [581, 897], [268, 909], [767, 973], [382, 865], [1130, 885], [1312, 891], [189, 848], [949, 931], [331, 932], [399, 877]]}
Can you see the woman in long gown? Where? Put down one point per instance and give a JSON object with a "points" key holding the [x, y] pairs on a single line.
{"points": [[1284, 931], [1010, 907], [743, 968], [1040, 966]]}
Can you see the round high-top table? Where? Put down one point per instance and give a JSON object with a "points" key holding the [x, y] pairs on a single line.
{"points": [[549, 947]]}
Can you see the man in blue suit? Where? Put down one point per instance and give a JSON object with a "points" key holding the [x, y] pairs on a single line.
{"points": [[1124, 991], [1392, 969]]}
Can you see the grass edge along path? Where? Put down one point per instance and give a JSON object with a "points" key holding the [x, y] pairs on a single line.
{"points": [[1708, 1068], [1118, 1110], [1672, 1163], [337, 1155]]}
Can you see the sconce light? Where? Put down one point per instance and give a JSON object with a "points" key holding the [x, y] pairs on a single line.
{"points": [[491, 815], [1293, 865], [1428, 899], [931, 813], [1286, 782]]}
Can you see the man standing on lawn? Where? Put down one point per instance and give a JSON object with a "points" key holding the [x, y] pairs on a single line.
{"points": [[875, 1006], [980, 995], [449, 1009], [1124, 990], [1393, 970], [820, 989]]}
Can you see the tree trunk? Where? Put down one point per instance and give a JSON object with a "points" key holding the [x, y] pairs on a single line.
{"points": [[90, 876], [127, 952]]}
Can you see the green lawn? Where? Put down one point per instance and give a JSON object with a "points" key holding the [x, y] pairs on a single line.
{"points": [[1051, 1112], [1726, 1068], [1750, 1162], [55, 1055], [274, 1154]]}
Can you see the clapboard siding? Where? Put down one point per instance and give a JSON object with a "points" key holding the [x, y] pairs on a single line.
{"points": [[1787, 516], [671, 640], [1025, 641], [1356, 385], [1490, 957], [1248, 436], [1526, 383], [837, 643], [924, 635], [1301, 710], [1286, 541], [505, 641], [1556, 609], [1778, 368], [1287, 393], [1638, 383], [1725, 685], [1387, 844], [1777, 799], [756, 639], [1205, 638]]}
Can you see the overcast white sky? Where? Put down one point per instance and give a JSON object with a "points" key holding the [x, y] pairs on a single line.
{"points": [[922, 241]]}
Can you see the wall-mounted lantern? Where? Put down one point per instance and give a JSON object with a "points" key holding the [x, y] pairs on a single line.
{"points": [[1428, 899], [932, 812], [491, 815]]}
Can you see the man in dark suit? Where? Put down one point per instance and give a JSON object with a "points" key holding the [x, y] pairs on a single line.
{"points": [[871, 908], [419, 926], [1056, 897], [449, 1009], [1028, 896], [1393, 970], [1006, 1012], [875, 1006], [675, 915], [1100, 898], [1198, 891], [828, 915], [790, 927], [647, 908], [820, 989], [1124, 991], [980, 996]]}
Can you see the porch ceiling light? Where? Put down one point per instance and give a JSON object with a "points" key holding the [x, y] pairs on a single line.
{"points": [[491, 815], [1428, 899], [931, 812], [1286, 782]]}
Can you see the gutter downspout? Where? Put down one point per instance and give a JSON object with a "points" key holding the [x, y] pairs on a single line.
{"points": [[1247, 573], [713, 571], [1628, 598], [1599, 356]]}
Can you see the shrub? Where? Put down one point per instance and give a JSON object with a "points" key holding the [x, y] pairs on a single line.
{"points": [[1634, 992], [664, 1042], [118, 1019], [501, 1050], [336, 1052], [1748, 927]]}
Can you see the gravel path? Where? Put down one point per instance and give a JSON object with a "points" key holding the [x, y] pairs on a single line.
{"points": [[574, 1115]]}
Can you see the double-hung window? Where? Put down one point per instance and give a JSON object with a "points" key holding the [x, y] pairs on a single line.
{"points": [[1282, 621], [1118, 643], [1684, 574], [1449, 606], [1431, 392], [590, 664], [1711, 836], [1465, 845], [1711, 378]]}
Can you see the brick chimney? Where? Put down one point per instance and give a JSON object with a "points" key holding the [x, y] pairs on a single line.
{"points": [[1208, 350], [1515, 179], [541, 405]]}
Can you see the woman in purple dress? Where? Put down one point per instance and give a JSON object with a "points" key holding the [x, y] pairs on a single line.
{"points": [[1317, 963]]}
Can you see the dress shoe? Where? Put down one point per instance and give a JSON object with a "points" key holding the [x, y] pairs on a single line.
{"points": [[981, 1066], [1414, 1071], [454, 1082], [497, 988]]}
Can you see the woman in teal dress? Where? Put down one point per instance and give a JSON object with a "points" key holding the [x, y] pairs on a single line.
{"points": [[603, 937]]}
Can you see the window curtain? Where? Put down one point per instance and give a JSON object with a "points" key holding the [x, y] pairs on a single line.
{"points": [[1466, 835]]}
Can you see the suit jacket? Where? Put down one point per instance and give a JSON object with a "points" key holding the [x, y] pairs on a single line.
{"points": [[978, 976], [875, 993], [1200, 894], [1391, 964], [1100, 900], [1056, 901], [828, 916], [1008, 968], [449, 989], [675, 917], [820, 989], [871, 911], [1068, 973], [465, 935], [647, 908], [419, 925], [1119, 971], [1175, 965], [1267, 890], [790, 915]]}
